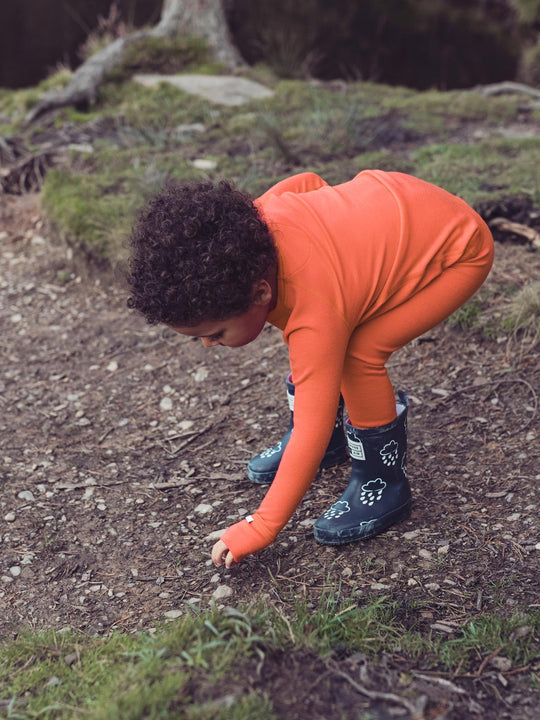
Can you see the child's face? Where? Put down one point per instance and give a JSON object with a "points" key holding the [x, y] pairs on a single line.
{"points": [[234, 331]]}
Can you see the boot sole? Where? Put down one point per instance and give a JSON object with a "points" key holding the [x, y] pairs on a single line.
{"points": [[364, 531], [331, 459]]}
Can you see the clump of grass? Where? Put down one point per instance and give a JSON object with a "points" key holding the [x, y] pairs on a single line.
{"points": [[199, 667], [165, 56], [467, 317], [523, 316], [482, 171], [110, 27], [95, 216]]}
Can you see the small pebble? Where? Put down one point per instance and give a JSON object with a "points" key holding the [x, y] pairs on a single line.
{"points": [[203, 509], [15, 571], [411, 535], [201, 375], [204, 164], [173, 614], [26, 495], [10, 517], [222, 592], [502, 664], [166, 404], [216, 534]]}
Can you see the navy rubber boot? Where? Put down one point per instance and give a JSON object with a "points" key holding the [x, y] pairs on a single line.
{"points": [[263, 467], [378, 495]]}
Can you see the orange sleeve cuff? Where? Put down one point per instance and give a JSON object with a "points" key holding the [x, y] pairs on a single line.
{"points": [[244, 537]]}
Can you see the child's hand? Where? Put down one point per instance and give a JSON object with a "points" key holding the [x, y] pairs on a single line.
{"points": [[221, 553]]}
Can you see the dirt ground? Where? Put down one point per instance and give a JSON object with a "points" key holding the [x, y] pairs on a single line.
{"points": [[124, 451]]}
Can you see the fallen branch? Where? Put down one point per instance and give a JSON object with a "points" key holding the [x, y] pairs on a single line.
{"points": [[83, 86], [529, 233], [507, 87]]}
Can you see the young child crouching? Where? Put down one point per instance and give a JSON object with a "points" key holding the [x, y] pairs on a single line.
{"points": [[350, 273]]}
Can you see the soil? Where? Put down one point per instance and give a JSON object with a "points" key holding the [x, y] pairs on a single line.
{"points": [[124, 451]]}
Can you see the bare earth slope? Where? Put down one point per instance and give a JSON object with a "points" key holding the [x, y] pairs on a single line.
{"points": [[124, 448]]}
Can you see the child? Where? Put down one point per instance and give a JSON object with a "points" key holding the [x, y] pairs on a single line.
{"points": [[350, 274]]}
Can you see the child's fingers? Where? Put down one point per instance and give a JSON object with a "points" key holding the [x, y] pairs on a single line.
{"points": [[220, 554], [229, 560]]}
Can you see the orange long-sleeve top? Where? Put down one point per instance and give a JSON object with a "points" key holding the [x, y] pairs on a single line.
{"points": [[346, 253]]}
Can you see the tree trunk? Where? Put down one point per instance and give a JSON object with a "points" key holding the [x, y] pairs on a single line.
{"points": [[205, 18]]}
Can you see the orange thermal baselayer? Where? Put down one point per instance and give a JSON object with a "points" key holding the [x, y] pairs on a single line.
{"points": [[364, 267]]}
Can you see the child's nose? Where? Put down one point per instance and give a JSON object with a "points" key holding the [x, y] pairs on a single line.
{"points": [[208, 342]]}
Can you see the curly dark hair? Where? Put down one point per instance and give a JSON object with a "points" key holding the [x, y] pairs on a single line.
{"points": [[197, 250]]}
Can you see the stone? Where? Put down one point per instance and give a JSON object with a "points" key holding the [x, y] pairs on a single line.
{"points": [[203, 509], [189, 128], [222, 592], [411, 535], [173, 614], [166, 404], [502, 664], [201, 374], [214, 535], [204, 164], [219, 89]]}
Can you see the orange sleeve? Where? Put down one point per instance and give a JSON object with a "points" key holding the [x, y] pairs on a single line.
{"points": [[317, 352]]}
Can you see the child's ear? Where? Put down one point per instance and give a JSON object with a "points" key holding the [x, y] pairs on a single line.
{"points": [[262, 292]]}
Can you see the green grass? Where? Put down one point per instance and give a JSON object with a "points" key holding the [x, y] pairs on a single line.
{"points": [[484, 171], [302, 127], [523, 316], [199, 666]]}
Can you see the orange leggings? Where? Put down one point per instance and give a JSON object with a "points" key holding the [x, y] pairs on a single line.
{"points": [[366, 387]]}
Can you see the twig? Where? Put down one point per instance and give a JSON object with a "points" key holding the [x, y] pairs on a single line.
{"points": [[442, 681], [287, 623], [487, 659], [194, 436], [416, 709], [496, 383], [104, 435]]}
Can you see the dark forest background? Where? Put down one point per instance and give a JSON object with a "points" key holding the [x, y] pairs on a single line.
{"points": [[443, 44]]}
